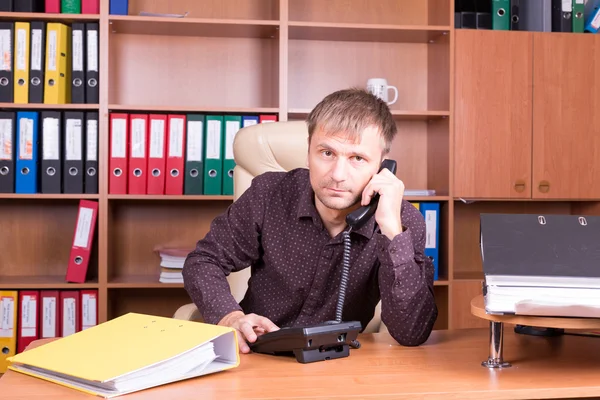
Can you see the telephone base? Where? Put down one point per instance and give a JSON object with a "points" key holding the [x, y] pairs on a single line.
{"points": [[310, 343]]}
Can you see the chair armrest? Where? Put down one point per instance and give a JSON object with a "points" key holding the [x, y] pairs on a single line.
{"points": [[188, 312]]}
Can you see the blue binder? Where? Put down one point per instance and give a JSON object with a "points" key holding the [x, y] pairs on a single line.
{"points": [[26, 180], [431, 213]]}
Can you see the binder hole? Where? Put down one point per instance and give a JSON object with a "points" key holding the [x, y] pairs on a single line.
{"points": [[117, 172], [230, 173], [194, 173], [25, 171], [501, 12], [92, 82], [156, 172], [542, 220], [5, 350], [515, 18], [137, 172], [579, 15], [78, 260], [174, 172], [51, 171], [77, 82], [4, 170], [212, 173], [63, 55], [4, 81], [181, 326], [582, 221], [62, 75], [21, 82], [91, 171], [73, 171], [35, 81], [51, 82]]}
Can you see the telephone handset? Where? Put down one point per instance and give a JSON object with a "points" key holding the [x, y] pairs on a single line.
{"points": [[330, 339], [357, 218]]}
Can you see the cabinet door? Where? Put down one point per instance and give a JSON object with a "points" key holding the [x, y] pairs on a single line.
{"points": [[493, 111], [566, 117]]}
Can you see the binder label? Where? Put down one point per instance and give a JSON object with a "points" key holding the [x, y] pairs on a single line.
{"points": [[68, 327], [6, 50], [119, 147], [77, 50], [213, 139], [21, 49], [88, 305], [73, 140], [92, 51], [84, 224], [49, 317], [430, 228], [567, 5], [194, 143], [51, 56], [231, 128], [28, 316], [92, 140], [26, 139], [138, 138], [50, 142], [36, 49], [176, 137], [6, 144], [7, 316], [157, 138]]}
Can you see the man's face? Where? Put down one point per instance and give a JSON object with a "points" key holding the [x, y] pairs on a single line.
{"points": [[340, 168]]}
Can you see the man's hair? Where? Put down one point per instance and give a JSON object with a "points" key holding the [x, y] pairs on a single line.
{"points": [[351, 111]]}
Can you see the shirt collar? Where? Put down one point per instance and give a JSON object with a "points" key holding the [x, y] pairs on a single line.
{"points": [[306, 208]]}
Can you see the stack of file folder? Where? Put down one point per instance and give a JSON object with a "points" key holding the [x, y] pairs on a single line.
{"points": [[171, 264], [541, 265]]}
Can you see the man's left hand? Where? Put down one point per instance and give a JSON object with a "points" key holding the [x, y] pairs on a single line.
{"points": [[391, 192]]}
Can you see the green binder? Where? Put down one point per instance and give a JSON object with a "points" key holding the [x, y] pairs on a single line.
{"points": [[578, 16], [233, 124], [213, 155], [70, 6], [501, 15], [194, 169]]}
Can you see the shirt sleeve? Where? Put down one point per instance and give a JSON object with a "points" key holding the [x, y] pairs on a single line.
{"points": [[232, 244], [408, 307]]}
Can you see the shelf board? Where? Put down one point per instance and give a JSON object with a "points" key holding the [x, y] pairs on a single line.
{"points": [[397, 114], [166, 197], [365, 32], [40, 106], [468, 276], [175, 109], [427, 198], [40, 196], [13, 16], [230, 28], [441, 282], [42, 282], [140, 282]]}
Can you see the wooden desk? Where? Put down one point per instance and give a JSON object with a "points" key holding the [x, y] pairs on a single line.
{"points": [[448, 365]]}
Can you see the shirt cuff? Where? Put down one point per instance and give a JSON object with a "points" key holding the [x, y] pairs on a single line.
{"points": [[219, 308], [398, 251]]}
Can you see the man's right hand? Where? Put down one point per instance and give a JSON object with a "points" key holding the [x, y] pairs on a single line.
{"points": [[248, 327]]}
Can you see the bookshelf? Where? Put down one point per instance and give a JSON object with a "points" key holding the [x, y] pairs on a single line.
{"points": [[282, 57]]}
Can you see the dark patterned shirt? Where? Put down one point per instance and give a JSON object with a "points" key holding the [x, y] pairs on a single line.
{"points": [[275, 228]]}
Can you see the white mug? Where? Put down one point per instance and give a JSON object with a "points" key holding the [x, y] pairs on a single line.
{"points": [[379, 87]]}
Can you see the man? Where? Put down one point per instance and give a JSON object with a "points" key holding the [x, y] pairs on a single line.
{"points": [[288, 227]]}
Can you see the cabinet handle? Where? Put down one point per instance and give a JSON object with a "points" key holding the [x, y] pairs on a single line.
{"points": [[519, 186], [544, 186]]}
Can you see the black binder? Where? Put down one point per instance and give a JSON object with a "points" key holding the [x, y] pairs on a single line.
{"points": [[7, 35], [562, 19], [73, 152], [78, 56], [515, 15], [91, 153], [7, 151], [92, 88], [37, 62], [51, 154], [6, 5], [29, 6]]}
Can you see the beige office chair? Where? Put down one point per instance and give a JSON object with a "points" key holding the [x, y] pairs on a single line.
{"points": [[275, 146]]}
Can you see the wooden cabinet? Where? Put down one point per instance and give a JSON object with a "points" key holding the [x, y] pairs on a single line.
{"points": [[525, 122]]}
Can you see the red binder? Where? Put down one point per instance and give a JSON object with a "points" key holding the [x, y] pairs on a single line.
{"points": [[157, 151], [70, 320], [175, 155], [267, 118], [89, 308], [52, 6], [119, 137], [28, 307], [138, 153], [90, 6], [49, 314], [81, 248]]}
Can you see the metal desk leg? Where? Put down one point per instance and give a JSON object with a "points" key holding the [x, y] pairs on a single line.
{"points": [[496, 347]]}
